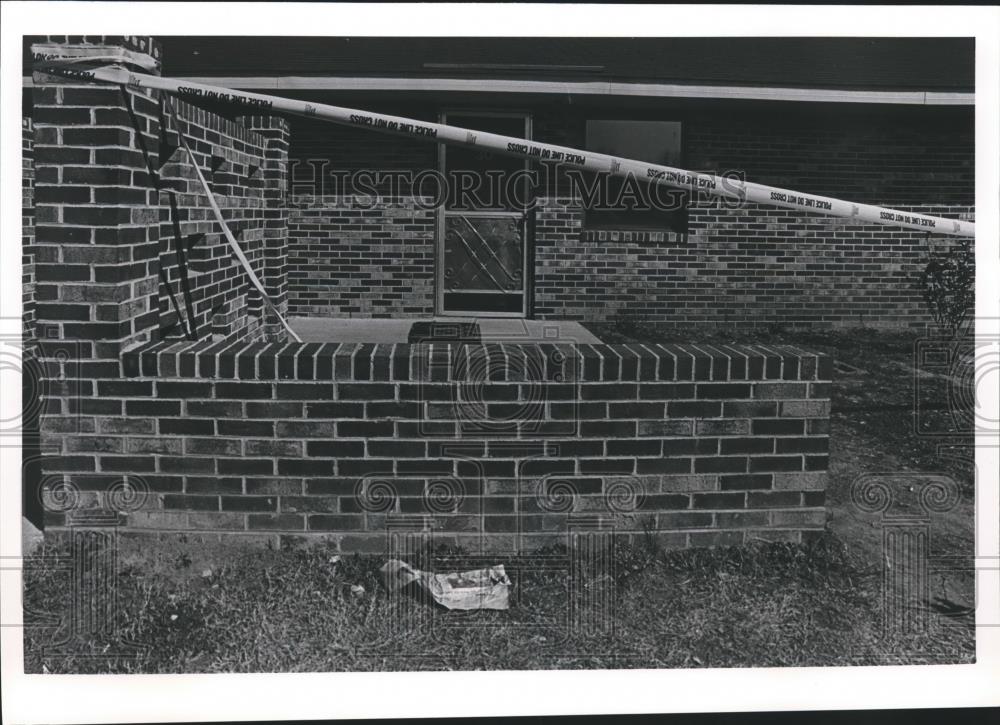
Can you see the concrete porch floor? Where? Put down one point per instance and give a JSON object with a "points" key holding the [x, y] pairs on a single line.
{"points": [[335, 329]]}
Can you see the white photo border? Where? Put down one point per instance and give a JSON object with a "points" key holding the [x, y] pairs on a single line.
{"points": [[138, 698]]}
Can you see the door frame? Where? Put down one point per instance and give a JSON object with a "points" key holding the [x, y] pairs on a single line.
{"points": [[527, 227]]}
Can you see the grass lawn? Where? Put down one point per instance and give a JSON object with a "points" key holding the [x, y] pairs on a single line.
{"points": [[767, 604]]}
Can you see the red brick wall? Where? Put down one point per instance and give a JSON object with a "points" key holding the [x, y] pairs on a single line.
{"points": [[96, 215], [499, 444], [198, 270], [755, 265], [371, 258], [240, 435], [105, 211], [274, 172], [762, 265]]}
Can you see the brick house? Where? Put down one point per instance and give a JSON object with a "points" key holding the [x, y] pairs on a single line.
{"points": [[881, 121], [170, 400]]}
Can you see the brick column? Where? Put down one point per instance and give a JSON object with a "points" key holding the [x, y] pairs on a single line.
{"points": [[28, 226], [275, 181], [96, 243], [96, 207]]}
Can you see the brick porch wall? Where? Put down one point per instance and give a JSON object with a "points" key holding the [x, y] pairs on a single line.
{"points": [[105, 231], [495, 446], [197, 268]]}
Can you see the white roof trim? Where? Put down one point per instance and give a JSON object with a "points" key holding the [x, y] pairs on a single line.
{"points": [[595, 88]]}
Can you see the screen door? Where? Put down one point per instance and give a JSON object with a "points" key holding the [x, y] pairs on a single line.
{"points": [[482, 228]]}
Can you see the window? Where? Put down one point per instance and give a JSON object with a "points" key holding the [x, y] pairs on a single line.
{"points": [[633, 203]]}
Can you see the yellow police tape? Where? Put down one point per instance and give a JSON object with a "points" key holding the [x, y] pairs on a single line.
{"points": [[720, 186]]}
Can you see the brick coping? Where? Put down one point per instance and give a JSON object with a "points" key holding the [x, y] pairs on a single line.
{"points": [[493, 362]]}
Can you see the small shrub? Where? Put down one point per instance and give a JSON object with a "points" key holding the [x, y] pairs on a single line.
{"points": [[949, 286]]}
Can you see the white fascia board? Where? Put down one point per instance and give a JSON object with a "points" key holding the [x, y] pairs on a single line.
{"points": [[593, 88]]}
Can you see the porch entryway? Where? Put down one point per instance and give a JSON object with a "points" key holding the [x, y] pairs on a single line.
{"points": [[483, 230]]}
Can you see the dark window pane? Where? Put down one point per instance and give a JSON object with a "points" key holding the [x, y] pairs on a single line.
{"points": [[633, 204]]}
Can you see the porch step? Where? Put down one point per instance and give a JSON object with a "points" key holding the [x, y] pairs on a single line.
{"points": [[472, 330]]}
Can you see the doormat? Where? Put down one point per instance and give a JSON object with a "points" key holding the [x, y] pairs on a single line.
{"points": [[425, 331]]}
